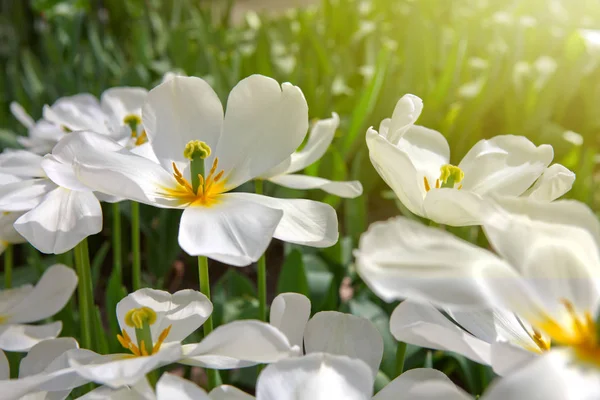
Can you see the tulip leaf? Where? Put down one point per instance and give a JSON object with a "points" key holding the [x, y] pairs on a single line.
{"points": [[292, 277]]}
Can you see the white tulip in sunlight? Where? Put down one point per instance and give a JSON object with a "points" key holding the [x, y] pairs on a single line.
{"points": [[57, 211], [548, 277], [44, 372], [26, 304], [319, 140], [8, 234], [205, 154], [41, 136], [415, 162]]}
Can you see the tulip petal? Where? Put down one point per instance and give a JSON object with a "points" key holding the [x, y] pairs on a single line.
{"points": [[63, 219], [226, 392], [8, 234], [428, 151], [120, 102], [305, 222], [23, 195], [170, 386], [18, 337], [41, 355], [422, 384], [401, 259], [48, 297], [21, 115], [454, 207], [349, 189], [264, 124], [235, 230], [62, 174], [180, 110], [78, 113], [290, 313], [505, 165], [319, 139], [554, 182], [239, 344], [22, 163], [423, 325], [116, 370], [406, 112], [316, 376], [184, 311], [506, 357], [333, 332]]}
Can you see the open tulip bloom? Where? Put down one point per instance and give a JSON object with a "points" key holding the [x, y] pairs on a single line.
{"points": [[26, 304], [415, 162], [318, 142], [203, 156], [547, 278], [41, 136], [56, 210]]}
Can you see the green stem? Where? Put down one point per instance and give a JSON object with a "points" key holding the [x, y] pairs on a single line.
{"points": [[400, 355], [8, 266], [135, 246], [85, 294], [213, 375], [116, 239], [261, 273]]}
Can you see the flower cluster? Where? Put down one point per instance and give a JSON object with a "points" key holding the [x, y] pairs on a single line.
{"points": [[528, 308]]}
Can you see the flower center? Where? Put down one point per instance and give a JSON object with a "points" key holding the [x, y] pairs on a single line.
{"points": [[450, 176], [580, 333], [134, 121], [141, 319], [200, 191]]}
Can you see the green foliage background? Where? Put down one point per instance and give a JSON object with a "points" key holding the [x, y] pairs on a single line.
{"points": [[482, 67]]}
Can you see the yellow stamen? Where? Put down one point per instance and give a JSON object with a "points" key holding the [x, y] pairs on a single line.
{"points": [[427, 187], [209, 187], [136, 317], [450, 176], [141, 139], [161, 339], [540, 341]]}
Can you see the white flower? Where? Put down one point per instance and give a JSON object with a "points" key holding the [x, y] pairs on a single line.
{"points": [[414, 162], [8, 234], [548, 277], [57, 211], [23, 305], [42, 135], [44, 372], [264, 124], [318, 142]]}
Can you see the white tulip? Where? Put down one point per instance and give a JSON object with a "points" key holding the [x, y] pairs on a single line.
{"points": [[415, 162], [42, 134], [319, 140], [186, 127], [26, 304]]}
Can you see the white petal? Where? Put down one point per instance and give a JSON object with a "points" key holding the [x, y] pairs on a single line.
{"points": [[396, 169], [140, 391], [290, 313], [507, 357], [179, 110], [235, 230], [185, 311], [401, 258], [550, 377], [24, 195], [554, 182], [63, 219], [316, 377], [8, 234], [346, 335], [422, 384], [48, 296], [239, 344], [560, 260], [4, 366], [264, 124], [407, 111], [171, 387], [427, 150], [305, 222], [226, 392], [120, 102], [349, 189], [62, 174], [120, 370], [21, 163], [78, 113], [21, 115], [17, 337], [319, 139], [423, 325], [506, 165], [454, 207], [43, 353]]}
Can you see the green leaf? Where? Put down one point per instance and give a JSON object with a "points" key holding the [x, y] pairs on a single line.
{"points": [[115, 292], [292, 277]]}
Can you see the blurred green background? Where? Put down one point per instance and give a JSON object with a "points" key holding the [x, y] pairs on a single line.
{"points": [[482, 67]]}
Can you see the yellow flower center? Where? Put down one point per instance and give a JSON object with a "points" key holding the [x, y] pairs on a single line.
{"points": [[133, 121], [141, 319], [580, 333], [450, 176]]}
